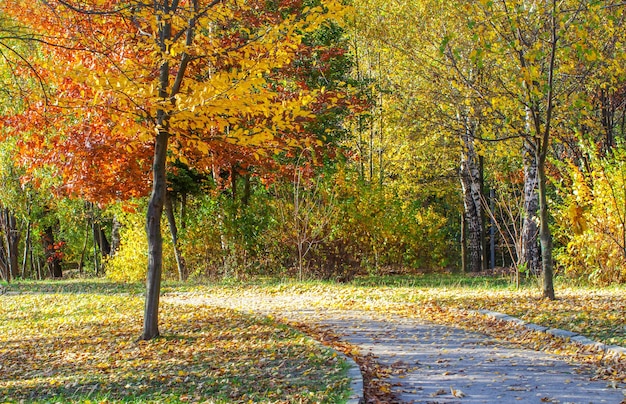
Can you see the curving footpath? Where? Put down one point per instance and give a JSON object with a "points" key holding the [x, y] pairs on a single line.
{"points": [[436, 364]]}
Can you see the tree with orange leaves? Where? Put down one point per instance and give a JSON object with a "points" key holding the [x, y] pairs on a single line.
{"points": [[126, 79]]}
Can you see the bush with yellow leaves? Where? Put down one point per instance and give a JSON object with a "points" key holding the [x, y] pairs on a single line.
{"points": [[130, 262], [591, 221]]}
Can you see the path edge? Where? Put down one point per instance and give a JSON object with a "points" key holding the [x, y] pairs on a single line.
{"points": [[555, 332], [356, 391], [356, 379]]}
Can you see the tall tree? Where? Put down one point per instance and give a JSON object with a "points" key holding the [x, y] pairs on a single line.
{"points": [[137, 76], [547, 61]]}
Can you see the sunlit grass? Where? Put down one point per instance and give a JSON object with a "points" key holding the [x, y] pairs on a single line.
{"points": [[80, 347]]}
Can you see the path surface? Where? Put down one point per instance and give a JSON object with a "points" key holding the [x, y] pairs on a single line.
{"points": [[437, 364]]}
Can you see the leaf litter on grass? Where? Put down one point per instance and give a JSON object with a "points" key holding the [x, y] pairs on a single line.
{"points": [[81, 348]]}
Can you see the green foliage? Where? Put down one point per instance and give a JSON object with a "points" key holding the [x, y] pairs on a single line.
{"points": [[226, 238]]}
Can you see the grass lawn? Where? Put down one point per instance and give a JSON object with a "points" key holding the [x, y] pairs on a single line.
{"points": [[65, 346]]}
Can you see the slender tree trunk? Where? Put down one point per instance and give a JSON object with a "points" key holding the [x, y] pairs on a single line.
{"points": [[545, 237], [11, 243], [52, 258], [14, 240], [155, 239], [26, 249], [492, 229], [463, 244], [115, 235], [96, 264], [543, 144], [472, 202], [529, 248], [81, 263], [39, 270], [4, 267], [359, 128], [483, 211], [171, 219], [371, 151], [101, 238]]}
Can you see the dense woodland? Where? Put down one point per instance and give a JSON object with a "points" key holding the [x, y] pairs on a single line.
{"points": [[311, 138]]}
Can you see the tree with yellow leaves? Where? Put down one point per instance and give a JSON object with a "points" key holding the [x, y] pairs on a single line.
{"points": [[126, 79]]}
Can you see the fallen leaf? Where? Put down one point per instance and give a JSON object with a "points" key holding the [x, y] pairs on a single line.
{"points": [[457, 393]]}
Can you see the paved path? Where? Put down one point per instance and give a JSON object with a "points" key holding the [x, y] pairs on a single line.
{"points": [[438, 364]]}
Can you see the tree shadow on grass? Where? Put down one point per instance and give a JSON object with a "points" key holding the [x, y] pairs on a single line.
{"points": [[205, 353]]}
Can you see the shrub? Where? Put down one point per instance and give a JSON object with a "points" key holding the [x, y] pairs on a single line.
{"points": [[591, 222]]}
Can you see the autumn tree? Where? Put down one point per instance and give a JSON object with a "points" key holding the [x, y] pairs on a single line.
{"points": [[131, 78], [548, 61]]}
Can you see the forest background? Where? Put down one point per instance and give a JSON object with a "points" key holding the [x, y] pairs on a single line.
{"points": [[313, 139]]}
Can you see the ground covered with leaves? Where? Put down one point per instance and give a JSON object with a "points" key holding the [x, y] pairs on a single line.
{"points": [[81, 347], [75, 341]]}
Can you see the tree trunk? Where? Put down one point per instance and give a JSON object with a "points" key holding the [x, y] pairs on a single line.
{"points": [[543, 144], [155, 239], [26, 249], [52, 257], [545, 236], [492, 229], [472, 202], [81, 263], [4, 267], [483, 210], [14, 240], [529, 245], [96, 264], [10, 243], [167, 93], [115, 236], [101, 239], [171, 219], [463, 244]]}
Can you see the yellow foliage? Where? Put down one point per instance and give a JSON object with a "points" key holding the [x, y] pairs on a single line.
{"points": [[591, 223], [131, 260]]}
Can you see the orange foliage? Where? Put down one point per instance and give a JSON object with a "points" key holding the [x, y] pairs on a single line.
{"points": [[240, 99]]}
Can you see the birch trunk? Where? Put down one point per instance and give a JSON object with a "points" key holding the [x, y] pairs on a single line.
{"points": [[472, 201], [530, 255]]}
